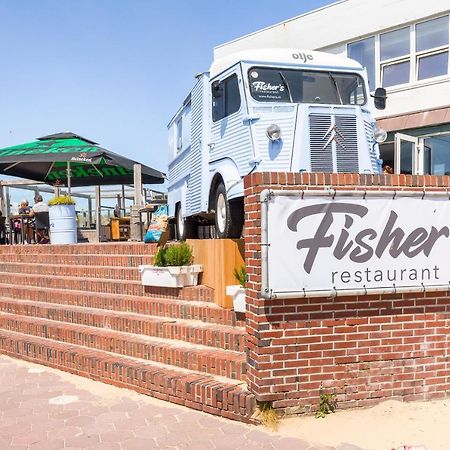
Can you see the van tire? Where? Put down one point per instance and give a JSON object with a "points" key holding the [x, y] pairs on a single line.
{"points": [[229, 215], [184, 227]]}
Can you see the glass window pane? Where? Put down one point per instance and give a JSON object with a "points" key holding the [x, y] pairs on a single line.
{"points": [[431, 34], [438, 151], [396, 74], [394, 44], [433, 66], [364, 52], [232, 96], [406, 157]]}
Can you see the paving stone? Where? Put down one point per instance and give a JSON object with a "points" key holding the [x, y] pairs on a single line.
{"points": [[112, 423], [288, 443], [83, 441], [139, 444]]}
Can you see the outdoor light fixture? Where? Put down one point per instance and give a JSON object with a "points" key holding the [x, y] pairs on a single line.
{"points": [[273, 132], [380, 135]]}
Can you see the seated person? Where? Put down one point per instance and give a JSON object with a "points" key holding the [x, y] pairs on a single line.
{"points": [[24, 210], [40, 228]]}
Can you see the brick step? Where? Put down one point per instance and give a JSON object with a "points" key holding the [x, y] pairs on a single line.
{"points": [[206, 393], [124, 287], [191, 331], [106, 248], [154, 306], [80, 271], [77, 259], [198, 358]]}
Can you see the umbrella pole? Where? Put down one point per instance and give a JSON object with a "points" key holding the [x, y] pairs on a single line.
{"points": [[69, 187]]}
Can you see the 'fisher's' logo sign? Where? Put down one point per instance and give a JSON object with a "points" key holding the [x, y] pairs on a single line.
{"points": [[376, 243]]}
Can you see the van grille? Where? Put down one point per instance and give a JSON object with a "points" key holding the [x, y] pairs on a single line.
{"points": [[333, 143], [321, 157], [347, 153]]}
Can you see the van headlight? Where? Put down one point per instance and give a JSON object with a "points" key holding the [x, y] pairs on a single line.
{"points": [[380, 135], [273, 132]]}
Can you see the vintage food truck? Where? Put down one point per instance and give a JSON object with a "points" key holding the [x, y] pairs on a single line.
{"points": [[266, 110]]}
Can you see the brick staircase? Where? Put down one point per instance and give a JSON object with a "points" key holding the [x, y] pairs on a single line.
{"points": [[81, 308]]}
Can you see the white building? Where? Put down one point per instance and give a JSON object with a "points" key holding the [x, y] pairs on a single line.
{"points": [[404, 45]]}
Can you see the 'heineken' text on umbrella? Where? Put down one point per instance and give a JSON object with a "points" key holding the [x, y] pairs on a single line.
{"points": [[69, 159]]}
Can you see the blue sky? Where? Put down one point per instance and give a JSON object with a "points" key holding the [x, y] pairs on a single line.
{"points": [[115, 71]]}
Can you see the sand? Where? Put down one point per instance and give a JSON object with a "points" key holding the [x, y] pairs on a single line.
{"points": [[386, 426]]}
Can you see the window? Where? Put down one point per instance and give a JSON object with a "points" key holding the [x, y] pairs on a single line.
{"points": [[179, 127], [394, 74], [394, 44], [432, 48], [437, 155], [364, 52], [413, 53], [226, 98], [302, 86], [395, 49], [432, 34], [432, 66]]}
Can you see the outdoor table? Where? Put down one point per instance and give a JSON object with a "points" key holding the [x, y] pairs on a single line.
{"points": [[21, 218]]}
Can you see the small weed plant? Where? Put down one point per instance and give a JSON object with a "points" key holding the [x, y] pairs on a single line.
{"points": [[267, 415], [327, 405], [61, 200], [174, 255], [240, 275]]}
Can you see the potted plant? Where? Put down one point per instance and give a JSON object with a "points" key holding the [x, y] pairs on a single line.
{"points": [[63, 220], [237, 291], [172, 267]]}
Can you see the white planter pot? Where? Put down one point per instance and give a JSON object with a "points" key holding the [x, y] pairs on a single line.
{"points": [[238, 294], [63, 224], [176, 276]]}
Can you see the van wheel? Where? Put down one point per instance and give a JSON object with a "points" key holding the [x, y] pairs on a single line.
{"points": [[184, 227], [229, 217]]}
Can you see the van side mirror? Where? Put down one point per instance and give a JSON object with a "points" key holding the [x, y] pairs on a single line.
{"points": [[379, 98], [217, 89]]}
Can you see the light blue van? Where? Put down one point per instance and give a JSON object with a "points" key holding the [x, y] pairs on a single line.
{"points": [[266, 110]]}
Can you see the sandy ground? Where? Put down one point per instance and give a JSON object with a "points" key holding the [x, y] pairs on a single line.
{"points": [[389, 425]]}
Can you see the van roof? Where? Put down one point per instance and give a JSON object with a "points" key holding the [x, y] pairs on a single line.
{"points": [[284, 56]]}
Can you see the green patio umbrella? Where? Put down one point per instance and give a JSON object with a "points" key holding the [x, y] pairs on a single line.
{"points": [[67, 159]]}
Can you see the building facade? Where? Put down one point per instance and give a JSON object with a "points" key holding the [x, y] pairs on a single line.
{"points": [[404, 46]]}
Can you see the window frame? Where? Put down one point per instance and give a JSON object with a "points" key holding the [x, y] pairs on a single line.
{"points": [[414, 56], [223, 83], [363, 84]]}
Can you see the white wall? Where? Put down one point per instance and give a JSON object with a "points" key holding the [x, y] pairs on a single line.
{"points": [[339, 22]]}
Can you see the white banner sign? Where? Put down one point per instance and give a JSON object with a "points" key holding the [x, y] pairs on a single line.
{"points": [[320, 245]]}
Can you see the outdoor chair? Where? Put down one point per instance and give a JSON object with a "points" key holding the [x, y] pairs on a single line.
{"points": [[3, 234], [41, 227]]}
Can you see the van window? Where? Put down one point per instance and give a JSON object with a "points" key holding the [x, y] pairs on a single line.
{"points": [[226, 98], [302, 86], [179, 126]]}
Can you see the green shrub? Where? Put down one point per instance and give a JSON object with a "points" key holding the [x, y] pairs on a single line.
{"points": [[160, 257], [174, 255], [240, 275], [61, 200]]}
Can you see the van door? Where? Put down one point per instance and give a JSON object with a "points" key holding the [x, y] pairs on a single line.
{"points": [[230, 137]]}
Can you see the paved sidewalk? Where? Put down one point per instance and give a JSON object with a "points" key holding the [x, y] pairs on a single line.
{"points": [[42, 408]]}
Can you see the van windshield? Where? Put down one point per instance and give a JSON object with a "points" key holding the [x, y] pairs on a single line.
{"points": [[305, 86]]}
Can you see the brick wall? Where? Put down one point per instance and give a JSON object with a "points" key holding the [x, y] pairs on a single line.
{"points": [[362, 348]]}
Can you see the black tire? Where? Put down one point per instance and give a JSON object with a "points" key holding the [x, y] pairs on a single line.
{"points": [[229, 215], [187, 229]]}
